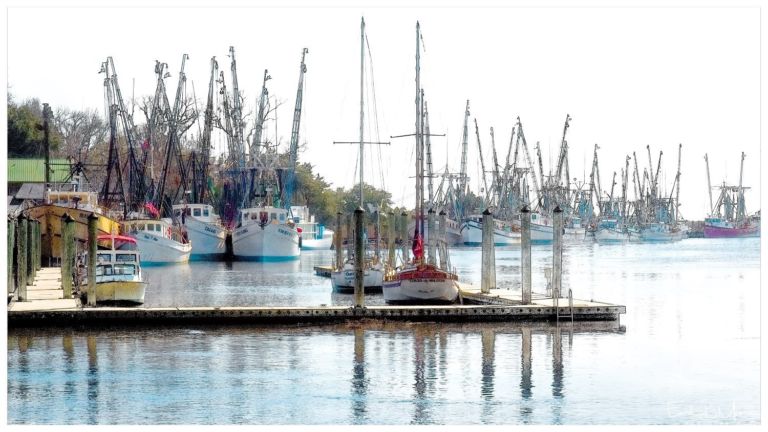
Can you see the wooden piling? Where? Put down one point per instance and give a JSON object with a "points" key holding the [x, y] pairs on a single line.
{"points": [[337, 243], [21, 259], [431, 237], [11, 249], [92, 218], [488, 256], [442, 242], [31, 251], [557, 251], [391, 239], [404, 236], [359, 258], [525, 258], [67, 253]]}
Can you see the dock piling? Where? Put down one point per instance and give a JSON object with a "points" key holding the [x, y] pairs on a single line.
{"points": [[11, 248], [488, 280], [404, 236], [525, 248], [442, 250], [359, 258], [67, 253], [557, 250], [39, 246], [431, 237], [337, 243], [21, 259], [31, 251], [92, 259], [391, 239]]}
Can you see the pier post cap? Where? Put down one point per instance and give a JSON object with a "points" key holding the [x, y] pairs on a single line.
{"points": [[431, 210], [487, 212], [92, 216], [442, 213], [525, 209], [558, 210], [359, 210]]}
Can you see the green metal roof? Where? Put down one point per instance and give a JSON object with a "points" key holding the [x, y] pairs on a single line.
{"points": [[33, 170]]}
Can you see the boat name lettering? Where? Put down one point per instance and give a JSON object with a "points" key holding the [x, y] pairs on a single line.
{"points": [[209, 229]]}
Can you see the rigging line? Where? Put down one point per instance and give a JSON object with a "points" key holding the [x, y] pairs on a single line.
{"points": [[375, 107]]}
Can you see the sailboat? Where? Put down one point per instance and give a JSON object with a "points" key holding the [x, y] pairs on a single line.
{"points": [[343, 275], [420, 281]]}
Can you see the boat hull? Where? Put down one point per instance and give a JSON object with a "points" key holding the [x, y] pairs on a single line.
{"points": [[208, 239], [160, 250], [121, 291], [727, 232], [344, 281], [50, 226], [323, 243], [415, 285], [472, 235], [273, 242], [606, 235], [661, 236]]}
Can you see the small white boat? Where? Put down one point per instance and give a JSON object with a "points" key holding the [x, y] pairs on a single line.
{"points": [[420, 283], [118, 271], [265, 234], [206, 233], [314, 236], [610, 231], [662, 232], [344, 280], [159, 241]]}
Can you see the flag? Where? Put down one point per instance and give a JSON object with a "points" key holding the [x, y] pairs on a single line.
{"points": [[152, 209], [418, 245]]}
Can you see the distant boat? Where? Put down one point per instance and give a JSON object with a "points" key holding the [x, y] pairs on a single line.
{"points": [[728, 217], [314, 235], [661, 232], [206, 233], [118, 271], [159, 241], [715, 227], [503, 233], [610, 231], [265, 234]]}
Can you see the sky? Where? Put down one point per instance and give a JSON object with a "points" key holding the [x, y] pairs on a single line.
{"points": [[628, 77]]}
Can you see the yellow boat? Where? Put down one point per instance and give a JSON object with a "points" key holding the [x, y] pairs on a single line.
{"points": [[77, 204]]}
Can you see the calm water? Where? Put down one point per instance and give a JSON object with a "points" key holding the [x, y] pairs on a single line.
{"points": [[686, 352]]}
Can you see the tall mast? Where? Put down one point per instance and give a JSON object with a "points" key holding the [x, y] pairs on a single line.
{"points": [[295, 132], [482, 163], [677, 181], [428, 146], [740, 208], [362, 71], [464, 145], [418, 208], [496, 182], [205, 143], [256, 144], [709, 186]]}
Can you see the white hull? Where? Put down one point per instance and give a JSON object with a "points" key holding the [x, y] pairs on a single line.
{"points": [[208, 239], [273, 242], [650, 236], [607, 235], [472, 235], [160, 250], [420, 290], [452, 232], [121, 291], [318, 244], [344, 280]]}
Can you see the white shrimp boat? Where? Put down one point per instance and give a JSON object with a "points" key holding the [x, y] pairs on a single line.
{"points": [[265, 234], [118, 271], [159, 241], [206, 233], [503, 233], [314, 236], [662, 232]]}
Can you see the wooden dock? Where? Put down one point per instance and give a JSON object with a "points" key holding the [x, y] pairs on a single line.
{"points": [[324, 271], [47, 307]]}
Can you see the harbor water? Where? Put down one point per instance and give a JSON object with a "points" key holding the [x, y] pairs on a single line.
{"points": [[686, 352]]}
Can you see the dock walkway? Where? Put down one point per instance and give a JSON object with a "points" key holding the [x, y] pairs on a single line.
{"points": [[45, 294]]}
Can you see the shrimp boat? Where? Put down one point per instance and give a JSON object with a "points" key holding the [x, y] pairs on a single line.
{"points": [[206, 233], [265, 234], [343, 274], [504, 234], [420, 280], [79, 205], [728, 217], [159, 241], [611, 231], [118, 271]]}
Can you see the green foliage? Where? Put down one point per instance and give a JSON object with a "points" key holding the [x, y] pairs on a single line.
{"points": [[25, 134]]}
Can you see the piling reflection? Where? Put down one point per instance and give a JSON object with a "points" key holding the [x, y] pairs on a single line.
{"points": [[526, 408], [359, 381], [557, 374], [92, 381], [421, 411], [488, 338]]}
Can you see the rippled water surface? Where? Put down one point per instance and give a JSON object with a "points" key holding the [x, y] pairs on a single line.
{"points": [[686, 352]]}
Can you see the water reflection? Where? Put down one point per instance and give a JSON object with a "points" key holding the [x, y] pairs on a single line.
{"points": [[526, 408], [359, 382], [92, 381], [488, 338]]}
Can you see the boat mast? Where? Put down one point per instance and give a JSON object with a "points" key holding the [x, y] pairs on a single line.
{"points": [[464, 145], [362, 71], [293, 153], [419, 210], [709, 186], [740, 209], [482, 163], [677, 196], [428, 146], [256, 144]]}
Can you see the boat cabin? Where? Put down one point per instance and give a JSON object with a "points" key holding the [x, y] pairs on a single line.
{"points": [[155, 227], [116, 256], [264, 216], [202, 212], [73, 199]]}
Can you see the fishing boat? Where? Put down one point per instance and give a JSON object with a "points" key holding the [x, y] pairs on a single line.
{"points": [[728, 217], [79, 205], [504, 234], [343, 274], [314, 235], [159, 241], [611, 231], [662, 232], [118, 271], [453, 231], [420, 280], [204, 229], [265, 234]]}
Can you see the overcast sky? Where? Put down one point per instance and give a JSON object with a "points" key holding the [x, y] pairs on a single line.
{"points": [[628, 76]]}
